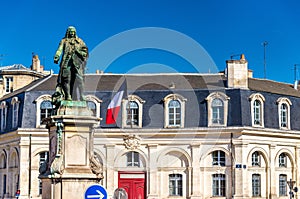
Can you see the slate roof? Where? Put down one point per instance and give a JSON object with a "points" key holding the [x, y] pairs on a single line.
{"points": [[14, 67], [263, 85], [111, 82]]}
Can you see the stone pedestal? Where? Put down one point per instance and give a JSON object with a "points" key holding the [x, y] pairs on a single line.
{"points": [[72, 166]]}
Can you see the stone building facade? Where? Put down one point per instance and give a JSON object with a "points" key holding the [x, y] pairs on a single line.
{"points": [[16, 76], [225, 135]]}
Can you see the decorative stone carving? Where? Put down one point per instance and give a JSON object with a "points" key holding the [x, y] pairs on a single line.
{"points": [[56, 156], [131, 142], [96, 167]]}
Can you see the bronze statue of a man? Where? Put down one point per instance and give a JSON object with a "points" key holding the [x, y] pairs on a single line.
{"points": [[73, 53]]}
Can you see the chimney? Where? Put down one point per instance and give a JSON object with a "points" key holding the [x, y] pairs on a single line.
{"points": [[36, 64], [237, 73]]}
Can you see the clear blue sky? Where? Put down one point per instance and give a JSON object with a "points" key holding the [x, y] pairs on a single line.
{"points": [[222, 28]]}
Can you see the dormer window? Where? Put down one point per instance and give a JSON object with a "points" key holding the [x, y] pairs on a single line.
{"points": [[93, 104], [217, 109], [15, 115], [257, 109], [174, 111], [3, 107], [132, 112], [43, 109], [284, 112]]}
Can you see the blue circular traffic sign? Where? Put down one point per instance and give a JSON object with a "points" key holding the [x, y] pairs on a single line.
{"points": [[95, 192]]}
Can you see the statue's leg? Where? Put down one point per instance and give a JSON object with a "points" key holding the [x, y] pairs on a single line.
{"points": [[80, 84], [66, 79]]}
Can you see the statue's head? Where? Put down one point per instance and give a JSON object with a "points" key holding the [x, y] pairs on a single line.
{"points": [[71, 32]]}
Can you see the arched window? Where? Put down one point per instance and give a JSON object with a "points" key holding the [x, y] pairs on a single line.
{"points": [[257, 112], [282, 160], [132, 111], [257, 109], [217, 109], [43, 109], [256, 159], [133, 159], [94, 104], [218, 158], [132, 114], [174, 111], [284, 112], [2, 161], [46, 109], [3, 115], [15, 115]]}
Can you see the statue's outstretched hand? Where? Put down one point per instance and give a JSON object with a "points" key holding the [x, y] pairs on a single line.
{"points": [[56, 59]]}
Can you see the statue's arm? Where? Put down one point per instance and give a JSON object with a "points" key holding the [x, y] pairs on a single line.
{"points": [[82, 51], [59, 51]]}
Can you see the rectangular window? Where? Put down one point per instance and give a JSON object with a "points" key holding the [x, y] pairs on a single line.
{"points": [[219, 185], [175, 185], [4, 184], [282, 185], [8, 85], [256, 185]]}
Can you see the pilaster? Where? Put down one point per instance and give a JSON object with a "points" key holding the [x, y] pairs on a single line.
{"points": [[153, 172], [195, 176], [241, 178]]}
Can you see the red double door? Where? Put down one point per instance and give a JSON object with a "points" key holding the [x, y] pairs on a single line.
{"points": [[134, 183]]}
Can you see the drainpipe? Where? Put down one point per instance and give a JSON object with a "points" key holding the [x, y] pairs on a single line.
{"points": [[29, 162]]}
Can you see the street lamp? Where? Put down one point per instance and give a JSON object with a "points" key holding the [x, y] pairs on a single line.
{"points": [[293, 189]]}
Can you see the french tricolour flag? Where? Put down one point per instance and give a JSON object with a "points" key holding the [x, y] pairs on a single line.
{"points": [[115, 104]]}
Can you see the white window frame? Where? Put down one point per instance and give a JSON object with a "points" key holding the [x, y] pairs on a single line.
{"points": [[256, 159], [97, 102], [135, 159], [224, 98], [125, 105], [256, 185], [283, 101], [3, 107], [176, 179], [181, 101], [282, 160], [282, 185], [260, 98], [38, 102], [15, 111], [9, 84], [219, 190], [219, 159]]}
